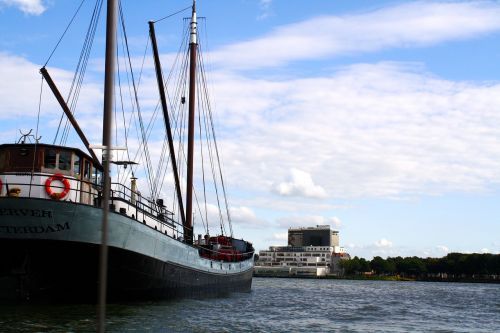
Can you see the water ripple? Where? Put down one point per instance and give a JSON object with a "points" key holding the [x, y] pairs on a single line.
{"points": [[287, 305]]}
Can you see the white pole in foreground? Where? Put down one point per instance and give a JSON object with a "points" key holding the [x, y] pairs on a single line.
{"points": [[109, 77]]}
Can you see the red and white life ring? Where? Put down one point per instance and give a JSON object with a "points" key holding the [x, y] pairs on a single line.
{"points": [[57, 195]]}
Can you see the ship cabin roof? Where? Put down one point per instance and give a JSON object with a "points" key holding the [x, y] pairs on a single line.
{"points": [[45, 158]]}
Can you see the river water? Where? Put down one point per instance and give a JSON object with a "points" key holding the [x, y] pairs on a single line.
{"points": [[287, 305]]}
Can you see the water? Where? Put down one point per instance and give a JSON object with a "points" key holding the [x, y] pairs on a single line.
{"points": [[288, 305]]}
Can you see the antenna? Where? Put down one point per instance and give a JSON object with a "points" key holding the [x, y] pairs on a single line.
{"points": [[27, 136]]}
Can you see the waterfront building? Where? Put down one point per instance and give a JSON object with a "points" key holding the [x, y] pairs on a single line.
{"points": [[311, 251]]}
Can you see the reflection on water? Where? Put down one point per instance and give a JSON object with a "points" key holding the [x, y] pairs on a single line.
{"points": [[287, 305]]}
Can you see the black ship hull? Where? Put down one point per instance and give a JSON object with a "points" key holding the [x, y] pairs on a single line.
{"points": [[67, 271], [49, 250]]}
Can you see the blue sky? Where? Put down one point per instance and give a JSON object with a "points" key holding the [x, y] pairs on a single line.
{"points": [[381, 119]]}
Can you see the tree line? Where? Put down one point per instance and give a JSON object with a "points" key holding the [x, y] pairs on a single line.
{"points": [[453, 266]]}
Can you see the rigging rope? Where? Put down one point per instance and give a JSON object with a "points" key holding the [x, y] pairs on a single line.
{"points": [[132, 114], [203, 171], [141, 123], [173, 107], [166, 17], [64, 33], [210, 134], [80, 71], [36, 135]]}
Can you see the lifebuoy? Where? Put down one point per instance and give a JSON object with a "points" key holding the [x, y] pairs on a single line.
{"points": [[57, 195]]}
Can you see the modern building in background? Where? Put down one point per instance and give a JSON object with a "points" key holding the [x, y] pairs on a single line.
{"points": [[311, 251], [320, 235]]}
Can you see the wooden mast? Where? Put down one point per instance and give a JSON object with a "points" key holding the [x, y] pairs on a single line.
{"points": [[193, 45], [166, 118]]}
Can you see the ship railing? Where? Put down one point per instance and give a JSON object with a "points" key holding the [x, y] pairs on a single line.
{"points": [[26, 185], [224, 256], [142, 205], [92, 192]]}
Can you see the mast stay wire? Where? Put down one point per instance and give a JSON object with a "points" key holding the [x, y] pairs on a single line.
{"points": [[203, 170], [219, 159], [142, 66], [82, 67], [211, 159], [132, 102], [168, 16], [179, 119], [64, 33], [175, 107], [210, 121], [36, 134], [154, 186], [118, 76], [136, 98]]}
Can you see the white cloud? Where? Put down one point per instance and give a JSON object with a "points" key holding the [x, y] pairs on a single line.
{"points": [[32, 7], [265, 6], [443, 249], [383, 243], [281, 237], [369, 130], [20, 91], [308, 221], [246, 216], [381, 247], [300, 183], [386, 248], [380, 130], [413, 24]]}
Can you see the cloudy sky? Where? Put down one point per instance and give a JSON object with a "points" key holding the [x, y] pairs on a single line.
{"points": [[381, 119]]}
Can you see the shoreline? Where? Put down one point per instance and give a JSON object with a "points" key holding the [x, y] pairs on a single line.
{"points": [[386, 278]]}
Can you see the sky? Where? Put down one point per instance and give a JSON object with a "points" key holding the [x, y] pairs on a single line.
{"points": [[380, 119]]}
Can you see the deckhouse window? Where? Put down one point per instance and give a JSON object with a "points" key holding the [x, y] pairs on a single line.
{"points": [[76, 165], [97, 178], [4, 159], [64, 160], [50, 158], [86, 170]]}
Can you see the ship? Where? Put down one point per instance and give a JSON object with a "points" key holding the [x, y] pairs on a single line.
{"points": [[59, 208]]}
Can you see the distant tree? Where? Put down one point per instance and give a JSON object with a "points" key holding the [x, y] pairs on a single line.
{"points": [[434, 265], [355, 265], [455, 265], [493, 264], [364, 265], [415, 266], [382, 266]]}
